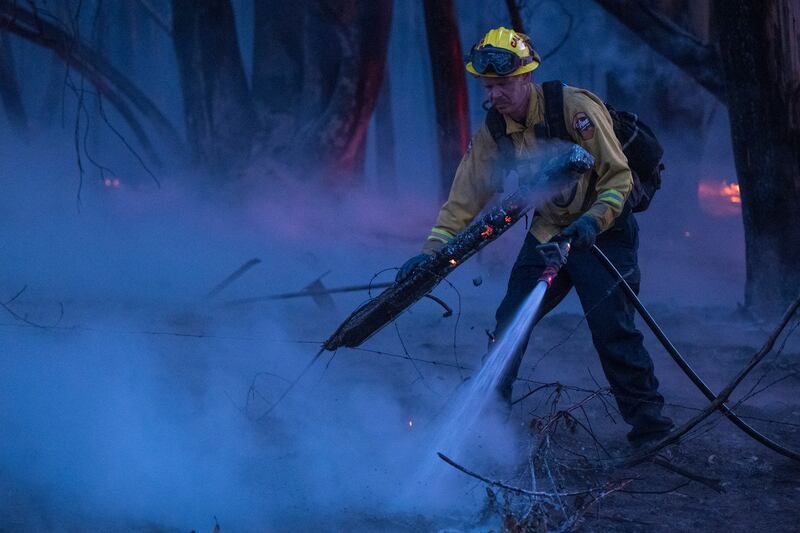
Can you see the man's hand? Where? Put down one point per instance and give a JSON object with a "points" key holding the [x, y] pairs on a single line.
{"points": [[410, 265], [583, 232], [429, 248]]}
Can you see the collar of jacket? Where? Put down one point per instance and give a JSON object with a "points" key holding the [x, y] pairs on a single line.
{"points": [[535, 112]]}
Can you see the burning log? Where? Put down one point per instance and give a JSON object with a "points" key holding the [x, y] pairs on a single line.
{"points": [[382, 310]]}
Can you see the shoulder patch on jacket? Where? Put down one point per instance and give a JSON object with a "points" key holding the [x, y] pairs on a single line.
{"points": [[583, 125]]}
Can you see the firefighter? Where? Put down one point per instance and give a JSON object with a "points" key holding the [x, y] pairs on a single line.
{"points": [[593, 211]]}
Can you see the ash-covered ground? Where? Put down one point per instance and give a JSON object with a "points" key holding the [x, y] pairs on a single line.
{"points": [[133, 402]]}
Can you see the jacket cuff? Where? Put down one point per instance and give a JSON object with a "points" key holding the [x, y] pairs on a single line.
{"points": [[432, 246]]}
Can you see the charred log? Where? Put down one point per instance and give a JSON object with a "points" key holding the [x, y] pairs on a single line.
{"points": [[388, 305]]}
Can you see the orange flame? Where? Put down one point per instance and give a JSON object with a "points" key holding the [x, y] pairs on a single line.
{"points": [[719, 198]]}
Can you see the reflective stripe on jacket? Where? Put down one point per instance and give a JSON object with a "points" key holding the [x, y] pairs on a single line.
{"points": [[473, 185]]}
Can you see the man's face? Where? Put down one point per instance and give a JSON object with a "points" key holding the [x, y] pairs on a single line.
{"points": [[509, 93]]}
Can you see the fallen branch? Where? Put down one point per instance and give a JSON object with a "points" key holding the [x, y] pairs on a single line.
{"points": [[238, 273], [511, 488], [108, 81], [713, 484], [723, 396]]}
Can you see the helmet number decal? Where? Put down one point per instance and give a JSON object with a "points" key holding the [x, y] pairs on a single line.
{"points": [[514, 42]]}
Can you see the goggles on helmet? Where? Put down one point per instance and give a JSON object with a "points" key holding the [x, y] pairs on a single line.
{"points": [[502, 61]]}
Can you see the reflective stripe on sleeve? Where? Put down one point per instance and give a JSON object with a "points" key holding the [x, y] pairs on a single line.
{"points": [[439, 234], [612, 196], [442, 232]]}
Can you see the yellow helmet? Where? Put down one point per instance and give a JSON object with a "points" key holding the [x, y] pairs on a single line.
{"points": [[502, 52]]}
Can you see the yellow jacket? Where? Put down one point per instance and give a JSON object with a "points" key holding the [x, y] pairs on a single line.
{"points": [[589, 125]]}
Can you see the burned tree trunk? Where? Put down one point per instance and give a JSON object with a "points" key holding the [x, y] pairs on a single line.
{"points": [[760, 48], [9, 89], [755, 71], [219, 113], [384, 138], [278, 52], [344, 72], [449, 88]]}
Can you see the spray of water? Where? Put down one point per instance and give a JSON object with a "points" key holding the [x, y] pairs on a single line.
{"points": [[462, 423]]}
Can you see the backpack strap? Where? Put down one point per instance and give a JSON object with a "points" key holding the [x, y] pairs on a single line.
{"points": [[497, 129], [555, 123]]}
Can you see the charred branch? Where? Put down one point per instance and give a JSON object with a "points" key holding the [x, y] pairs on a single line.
{"points": [[110, 83], [158, 19], [514, 15]]}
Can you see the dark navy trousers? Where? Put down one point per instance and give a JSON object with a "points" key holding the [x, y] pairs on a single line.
{"points": [[626, 363]]}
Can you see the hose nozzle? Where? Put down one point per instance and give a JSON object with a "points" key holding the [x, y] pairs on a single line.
{"points": [[555, 256]]}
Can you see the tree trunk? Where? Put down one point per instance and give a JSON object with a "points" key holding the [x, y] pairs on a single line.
{"points": [[220, 120], [347, 41], [9, 89], [278, 55], [760, 48], [449, 88], [384, 138]]}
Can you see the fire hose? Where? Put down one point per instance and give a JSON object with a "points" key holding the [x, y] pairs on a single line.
{"points": [[684, 365], [555, 256]]}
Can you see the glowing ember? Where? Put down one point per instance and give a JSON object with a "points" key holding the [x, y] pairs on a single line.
{"points": [[487, 232], [508, 219], [453, 262], [719, 198]]}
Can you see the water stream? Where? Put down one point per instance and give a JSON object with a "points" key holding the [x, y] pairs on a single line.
{"points": [[478, 397]]}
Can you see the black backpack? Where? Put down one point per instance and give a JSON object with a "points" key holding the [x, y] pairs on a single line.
{"points": [[638, 142]]}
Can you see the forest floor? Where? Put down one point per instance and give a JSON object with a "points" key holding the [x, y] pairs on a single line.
{"points": [[152, 417], [758, 488]]}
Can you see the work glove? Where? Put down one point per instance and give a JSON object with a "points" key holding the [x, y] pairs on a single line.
{"points": [[582, 233], [410, 265], [430, 248]]}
